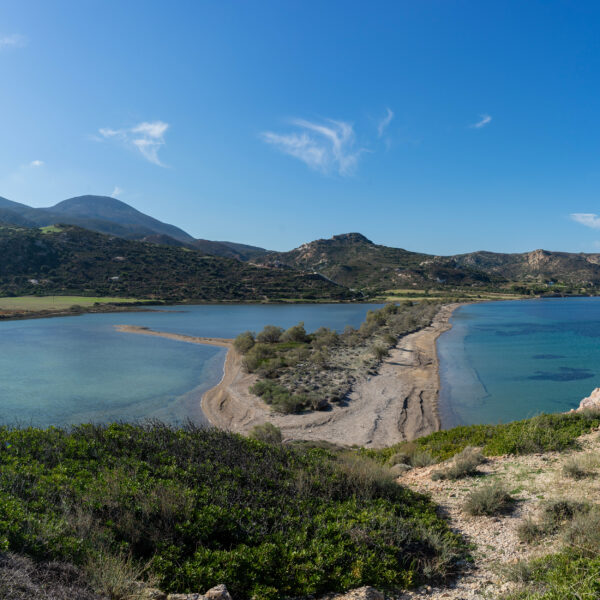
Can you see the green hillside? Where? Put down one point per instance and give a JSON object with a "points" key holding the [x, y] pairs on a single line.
{"points": [[354, 261], [67, 260]]}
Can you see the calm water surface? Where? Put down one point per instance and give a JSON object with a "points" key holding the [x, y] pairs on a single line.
{"points": [[79, 369], [503, 361]]}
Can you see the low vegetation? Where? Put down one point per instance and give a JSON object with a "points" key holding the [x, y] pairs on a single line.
{"points": [[491, 499], [188, 509], [574, 571], [299, 371], [464, 464], [544, 433]]}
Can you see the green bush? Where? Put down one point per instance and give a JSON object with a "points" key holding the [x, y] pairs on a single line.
{"points": [[267, 432], [270, 334], [297, 333], [203, 507], [244, 342]]}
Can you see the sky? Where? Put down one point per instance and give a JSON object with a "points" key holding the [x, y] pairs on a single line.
{"points": [[436, 126]]}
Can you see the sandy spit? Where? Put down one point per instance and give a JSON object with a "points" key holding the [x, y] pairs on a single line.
{"points": [[399, 403]]}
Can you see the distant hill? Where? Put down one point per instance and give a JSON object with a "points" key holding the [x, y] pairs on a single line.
{"points": [[70, 260], [356, 262], [114, 217]]}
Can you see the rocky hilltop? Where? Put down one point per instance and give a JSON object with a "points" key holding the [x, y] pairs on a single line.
{"points": [[353, 260]]}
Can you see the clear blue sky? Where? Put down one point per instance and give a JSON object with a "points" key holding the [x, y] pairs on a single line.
{"points": [[440, 126]]}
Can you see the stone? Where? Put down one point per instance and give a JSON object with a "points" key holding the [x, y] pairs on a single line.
{"points": [[217, 593], [152, 594], [592, 402]]}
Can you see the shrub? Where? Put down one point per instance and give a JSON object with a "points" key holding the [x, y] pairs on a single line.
{"points": [[557, 513], [380, 352], [491, 499], [529, 531], [203, 507], [577, 467], [244, 342], [115, 576], [421, 459], [583, 533], [297, 333], [464, 464], [267, 432], [270, 334]]}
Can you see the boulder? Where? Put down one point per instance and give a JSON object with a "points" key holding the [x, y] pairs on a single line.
{"points": [[217, 593], [592, 402]]}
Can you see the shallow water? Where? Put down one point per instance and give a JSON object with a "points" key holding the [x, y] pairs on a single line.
{"points": [[503, 361], [79, 369]]}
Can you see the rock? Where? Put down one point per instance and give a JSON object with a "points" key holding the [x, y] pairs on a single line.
{"points": [[185, 597], [217, 593], [152, 594], [592, 402], [363, 593]]}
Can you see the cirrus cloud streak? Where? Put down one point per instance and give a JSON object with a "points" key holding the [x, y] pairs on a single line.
{"points": [[329, 146]]}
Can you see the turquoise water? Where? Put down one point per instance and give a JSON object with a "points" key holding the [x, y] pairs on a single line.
{"points": [[79, 369], [503, 361]]}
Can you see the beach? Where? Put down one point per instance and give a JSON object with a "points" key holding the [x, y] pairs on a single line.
{"points": [[397, 404]]}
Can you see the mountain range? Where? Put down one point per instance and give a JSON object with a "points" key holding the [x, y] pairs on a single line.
{"points": [[113, 217], [349, 262]]}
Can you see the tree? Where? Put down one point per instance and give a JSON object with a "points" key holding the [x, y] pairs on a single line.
{"points": [[270, 334]]}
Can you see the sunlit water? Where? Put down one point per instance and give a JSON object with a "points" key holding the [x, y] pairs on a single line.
{"points": [[69, 370], [503, 361]]}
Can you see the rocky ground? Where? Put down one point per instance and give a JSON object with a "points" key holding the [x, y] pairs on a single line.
{"points": [[532, 480]]}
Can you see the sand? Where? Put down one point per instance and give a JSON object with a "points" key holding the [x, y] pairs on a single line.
{"points": [[399, 403]]}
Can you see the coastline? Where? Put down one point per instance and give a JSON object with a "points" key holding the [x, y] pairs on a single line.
{"points": [[399, 403]]}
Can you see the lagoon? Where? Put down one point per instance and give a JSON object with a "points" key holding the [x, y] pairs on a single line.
{"points": [[503, 361], [69, 370]]}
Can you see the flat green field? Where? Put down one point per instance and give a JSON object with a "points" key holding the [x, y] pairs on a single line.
{"points": [[35, 303]]}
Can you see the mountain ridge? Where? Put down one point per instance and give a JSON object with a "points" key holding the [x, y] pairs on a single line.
{"points": [[111, 216], [353, 260]]}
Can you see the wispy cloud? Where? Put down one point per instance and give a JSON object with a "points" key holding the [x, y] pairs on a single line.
{"points": [[36, 163], [588, 219], [117, 191], [327, 147], [147, 137], [483, 121], [12, 41], [383, 123]]}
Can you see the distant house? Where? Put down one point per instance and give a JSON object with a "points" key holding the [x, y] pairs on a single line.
{"points": [[33, 281], [120, 258], [114, 278]]}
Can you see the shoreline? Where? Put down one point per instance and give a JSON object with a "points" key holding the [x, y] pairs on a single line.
{"points": [[399, 403]]}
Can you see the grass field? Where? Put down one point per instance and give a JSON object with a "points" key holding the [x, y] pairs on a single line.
{"points": [[35, 303]]}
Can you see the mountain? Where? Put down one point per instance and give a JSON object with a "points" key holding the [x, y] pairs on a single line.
{"points": [[229, 249], [70, 260], [114, 217], [354, 261]]}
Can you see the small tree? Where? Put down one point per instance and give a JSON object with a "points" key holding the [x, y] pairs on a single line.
{"points": [[270, 334], [297, 333], [244, 342]]}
